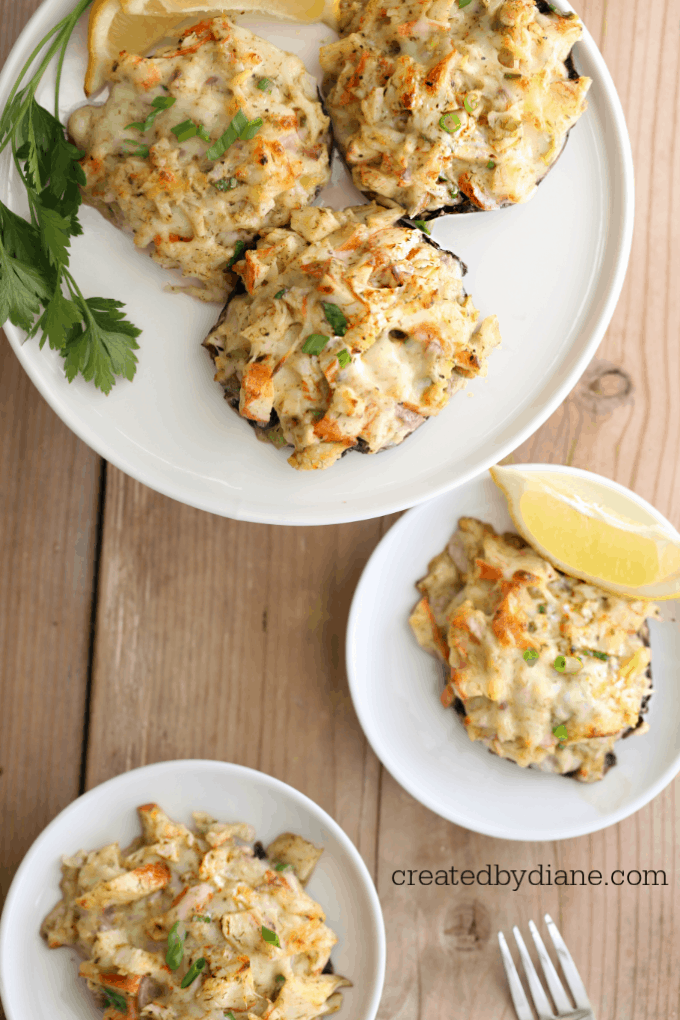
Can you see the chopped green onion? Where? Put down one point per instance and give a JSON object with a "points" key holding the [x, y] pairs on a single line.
{"points": [[530, 654], [225, 184], [463, 3], [454, 191], [194, 970], [115, 999], [335, 317], [239, 127], [450, 122], [543, 608], [441, 180], [561, 14], [596, 654], [251, 130], [512, 75], [187, 129], [159, 104], [315, 343], [228, 1013], [137, 148], [561, 732], [491, 165], [471, 103], [202, 917], [279, 294], [203, 133], [567, 664], [239, 249], [175, 952], [264, 85], [423, 226], [238, 122], [344, 357], [270, 936], [280, 977]]}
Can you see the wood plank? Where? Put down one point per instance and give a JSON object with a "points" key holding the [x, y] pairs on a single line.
{"points": [[193, 615], [49, 486], [49, 489]]}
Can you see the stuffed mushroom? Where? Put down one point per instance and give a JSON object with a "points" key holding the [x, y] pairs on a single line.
{"points": [[452, 106], [351, 330], [546, 670], [203, 145]]}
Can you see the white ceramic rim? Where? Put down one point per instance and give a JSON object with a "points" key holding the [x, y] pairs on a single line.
{"points": [[621, 219], [234, 771], [402, 777]]}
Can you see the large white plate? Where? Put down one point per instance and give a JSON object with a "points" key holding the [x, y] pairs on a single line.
{"points": [[552, 270], [396, 686], [39, 982]]}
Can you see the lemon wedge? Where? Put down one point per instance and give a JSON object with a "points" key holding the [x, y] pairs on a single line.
{"points": [[304, 11], [112, 29], [594, 529], [138, 25]]}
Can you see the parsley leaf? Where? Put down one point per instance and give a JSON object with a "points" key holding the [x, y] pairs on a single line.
{"points": [[315, 343], [175, 952], [22, 289], [37, 291], [54, 234], [270, 937], [103, 348], [344, 357], [335, 317], [59, 317]]}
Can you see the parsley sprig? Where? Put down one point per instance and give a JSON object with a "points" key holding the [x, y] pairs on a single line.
{"points": [[38, 292]]}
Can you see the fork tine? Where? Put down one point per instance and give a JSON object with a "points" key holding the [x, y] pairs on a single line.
{"points": [[522, 1007], [560, 998], [541, 1003], [569, 970]]}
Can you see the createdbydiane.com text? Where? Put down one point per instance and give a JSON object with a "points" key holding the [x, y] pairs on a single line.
{"points": [[542, 874]]}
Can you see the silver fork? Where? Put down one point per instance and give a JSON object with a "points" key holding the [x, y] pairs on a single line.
{"points": [[565, 1010]]}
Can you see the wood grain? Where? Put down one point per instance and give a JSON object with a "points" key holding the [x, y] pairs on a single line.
{"points": [[223, 639], [49, 485]]}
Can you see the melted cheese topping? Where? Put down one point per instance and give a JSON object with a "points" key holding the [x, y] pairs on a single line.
{"points": [[495, 71], [487, 599], [169, 199], [118, 908], [411, 338]]}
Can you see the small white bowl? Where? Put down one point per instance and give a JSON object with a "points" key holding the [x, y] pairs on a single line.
{"points": [[395, 686], [39, 982]]}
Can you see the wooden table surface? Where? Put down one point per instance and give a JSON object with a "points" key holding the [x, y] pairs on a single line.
{"points": [[128, 636]]}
